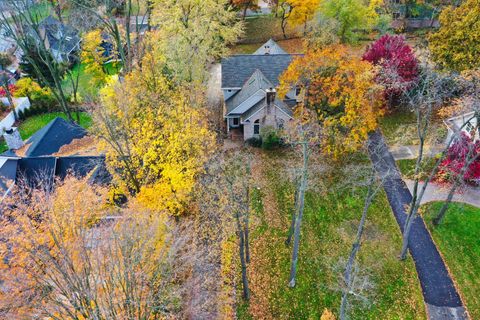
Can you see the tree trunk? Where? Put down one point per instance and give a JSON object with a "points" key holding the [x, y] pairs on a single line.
{"points": [[241, 244], [355, 248], [247, 226], [10, 99], [441, 214], [298, 220], [294, 215]]}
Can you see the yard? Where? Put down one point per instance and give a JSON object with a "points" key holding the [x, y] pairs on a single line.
{"points": [[85, 87], [332, 212], [31, 125], [457, 238]]}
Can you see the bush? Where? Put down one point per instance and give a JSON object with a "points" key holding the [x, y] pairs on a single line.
{"points": [[21, 115], [270, 138], [457, 159], [255, 142], [42, 99]]}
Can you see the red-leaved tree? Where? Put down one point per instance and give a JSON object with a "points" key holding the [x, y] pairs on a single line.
{"points": [[398, 63], [463, 158]]}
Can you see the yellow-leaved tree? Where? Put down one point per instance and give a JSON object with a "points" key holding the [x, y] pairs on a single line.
{"points": [[156, 142], [303, 11], [340, 88], [456, 44]]}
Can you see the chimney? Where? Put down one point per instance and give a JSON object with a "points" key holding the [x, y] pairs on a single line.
{"points": [[271, 93], [13, 139], [267, 49]]}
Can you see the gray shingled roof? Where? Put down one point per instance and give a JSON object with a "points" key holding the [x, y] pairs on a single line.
{"points": [[279, 103], [256, 82], [52, 137], [61, 37], [237, 69], [270, 47]]}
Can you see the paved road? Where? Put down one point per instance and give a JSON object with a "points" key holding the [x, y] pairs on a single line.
{"points": [[439, 292]]}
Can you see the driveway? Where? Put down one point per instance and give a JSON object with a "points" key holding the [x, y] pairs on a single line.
{"points": [[214, 90], [439, 292]]}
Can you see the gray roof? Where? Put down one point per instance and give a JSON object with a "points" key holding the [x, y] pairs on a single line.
{"points": [[52, 137], [237, 69], [257, 107], [61, 37], [270, 47], [256, 82]]}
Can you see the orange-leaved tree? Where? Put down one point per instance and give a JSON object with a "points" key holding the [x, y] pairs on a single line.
{"points": [[340, 88], [67, 255]]}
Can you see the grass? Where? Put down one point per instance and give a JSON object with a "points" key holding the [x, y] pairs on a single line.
{"points": [[458, 241], [85, 87], [331, 217], [31, 125], [400, 128], [407, 167], [261, 28]]}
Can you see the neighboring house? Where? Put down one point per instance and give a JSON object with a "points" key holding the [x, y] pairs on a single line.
{"points": [[41, 159], [62, 40], [248, 85], [465, 122]]}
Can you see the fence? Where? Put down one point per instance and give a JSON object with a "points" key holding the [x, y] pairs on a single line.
{"points": [[21, 105]]}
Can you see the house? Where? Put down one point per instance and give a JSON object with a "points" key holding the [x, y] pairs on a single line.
{"points": [[465, 122], [62, 40], [248, 85], [48, 155]]}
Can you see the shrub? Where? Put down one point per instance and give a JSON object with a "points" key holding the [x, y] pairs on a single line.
{"points": [[399, 66], [457, 159], [21, 115], [270, 138], [255, 142], [42, 98]]}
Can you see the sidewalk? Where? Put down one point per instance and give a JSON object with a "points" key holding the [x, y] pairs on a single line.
{"points": [[436, 192], [411, 152]]}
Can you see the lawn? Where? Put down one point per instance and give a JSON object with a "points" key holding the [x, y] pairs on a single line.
{"points": [[31, 125], [260, 29], [458, 239], [332, 212], [400, 128], [407, 167], [85, 87]]}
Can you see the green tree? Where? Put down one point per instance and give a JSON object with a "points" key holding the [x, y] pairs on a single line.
{"points": [[351, 15], [456, 45]]}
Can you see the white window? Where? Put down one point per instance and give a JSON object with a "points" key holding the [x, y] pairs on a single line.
{"points": [[256, 127]]}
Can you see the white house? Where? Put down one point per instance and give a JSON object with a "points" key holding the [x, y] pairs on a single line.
{"points": [[465, 122]]}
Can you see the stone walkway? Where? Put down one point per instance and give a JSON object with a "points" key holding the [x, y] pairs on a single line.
{"points": [[441, 297], [436, 192]]}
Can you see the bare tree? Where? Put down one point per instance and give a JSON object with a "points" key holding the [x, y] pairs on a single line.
{"points": [[23, 26], [426, 96]]}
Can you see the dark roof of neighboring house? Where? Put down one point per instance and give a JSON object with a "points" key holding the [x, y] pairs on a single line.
{"points": [[61, 37], [237, 69], [256, 82], [52, 137], [37, 170], [270, 47]]}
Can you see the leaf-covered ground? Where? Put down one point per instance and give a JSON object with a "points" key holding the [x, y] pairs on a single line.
{"points": [[458, 240], [331, 217]]}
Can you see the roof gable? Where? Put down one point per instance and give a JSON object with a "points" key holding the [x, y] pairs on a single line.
{"points": [[253, 90], [52, 137], [270, 47]]}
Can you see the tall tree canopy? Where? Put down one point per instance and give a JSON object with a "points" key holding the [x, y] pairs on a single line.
{"points": [[194, 33], [351, 15], [456, 45], [341, 89], [156, 141]]}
